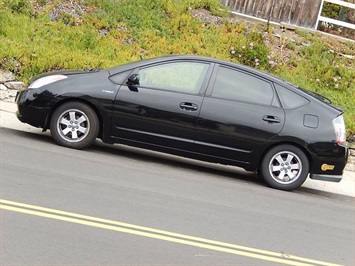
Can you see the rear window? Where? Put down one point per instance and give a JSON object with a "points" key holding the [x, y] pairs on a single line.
{"points": [[290, 99]]}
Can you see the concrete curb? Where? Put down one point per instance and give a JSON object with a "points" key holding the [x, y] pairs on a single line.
{"points": [[345, 187]]}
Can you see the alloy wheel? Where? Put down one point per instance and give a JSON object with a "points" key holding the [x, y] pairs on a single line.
{"points": [[73, 125], [285, 167]]}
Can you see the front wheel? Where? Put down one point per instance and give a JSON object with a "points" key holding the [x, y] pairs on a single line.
{"points": [[74, 125], [285, 167]]}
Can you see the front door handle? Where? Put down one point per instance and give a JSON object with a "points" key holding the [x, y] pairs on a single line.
{"points": [[188, 106], [271, 119]]}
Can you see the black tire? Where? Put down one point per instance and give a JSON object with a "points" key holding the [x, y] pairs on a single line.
{"points": [[74, 125], [285, 167]]}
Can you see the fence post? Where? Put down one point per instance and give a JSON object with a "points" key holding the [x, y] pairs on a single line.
{"points": [[319, 13], [269, 17]]}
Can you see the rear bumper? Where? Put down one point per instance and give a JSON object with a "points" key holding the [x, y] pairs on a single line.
{"points": [[330, 178], [330, 167]]}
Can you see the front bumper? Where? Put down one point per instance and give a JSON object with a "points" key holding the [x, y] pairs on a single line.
{"points": [[29, 111]]}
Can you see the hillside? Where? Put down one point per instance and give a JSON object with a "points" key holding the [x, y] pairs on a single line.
{"points": [[38, 36]]}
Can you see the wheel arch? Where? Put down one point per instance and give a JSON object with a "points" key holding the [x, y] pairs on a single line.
{"points": [[66, 100], [298, 145]]}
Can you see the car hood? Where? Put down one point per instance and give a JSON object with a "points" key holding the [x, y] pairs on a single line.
{"points": [[64, 72]]}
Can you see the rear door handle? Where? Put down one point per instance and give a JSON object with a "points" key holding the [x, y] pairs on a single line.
{"points": [[271, 119], [188, 106]]}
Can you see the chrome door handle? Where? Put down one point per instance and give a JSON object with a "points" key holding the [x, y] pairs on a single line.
{"points": [[271, 119], [188, 106]]}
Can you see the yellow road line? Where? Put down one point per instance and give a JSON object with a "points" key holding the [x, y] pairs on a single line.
{"points": [[160, 234]]}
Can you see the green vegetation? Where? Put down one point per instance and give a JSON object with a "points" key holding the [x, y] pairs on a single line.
{"points": [[38, 36]]}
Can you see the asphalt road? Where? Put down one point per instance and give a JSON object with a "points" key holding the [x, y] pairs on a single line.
{"points": [[123, 206]]}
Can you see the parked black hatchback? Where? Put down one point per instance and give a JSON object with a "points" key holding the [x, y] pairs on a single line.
{"points": [[197, 107]]}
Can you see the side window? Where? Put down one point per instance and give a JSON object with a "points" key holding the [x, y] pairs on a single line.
{"points": [[120, 77], [238, 86], [289, 99], [184, 77]]}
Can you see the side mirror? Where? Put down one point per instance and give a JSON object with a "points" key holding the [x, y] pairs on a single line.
{"points": [[133, 80]]}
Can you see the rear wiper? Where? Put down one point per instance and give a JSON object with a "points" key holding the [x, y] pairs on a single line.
{"points": [[317, 95], [321, 97]]}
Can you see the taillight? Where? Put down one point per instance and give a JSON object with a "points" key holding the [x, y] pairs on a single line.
{"points": [[339, 128]]}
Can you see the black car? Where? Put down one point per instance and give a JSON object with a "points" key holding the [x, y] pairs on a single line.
{"points": [[197, 107]]}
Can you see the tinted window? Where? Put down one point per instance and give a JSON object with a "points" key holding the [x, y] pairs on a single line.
{"points": [[234, 85], [181, 76], [289, 99]]}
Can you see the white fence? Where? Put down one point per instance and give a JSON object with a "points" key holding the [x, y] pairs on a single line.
{"points": [[335, 21], [296, 13]]}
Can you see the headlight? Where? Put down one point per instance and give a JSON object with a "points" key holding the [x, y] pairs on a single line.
{"points": [[45, 81]]}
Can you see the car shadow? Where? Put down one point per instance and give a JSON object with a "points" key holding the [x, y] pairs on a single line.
{"points": [[222, 171], [324, 194], [36, 135], [145, 155]]}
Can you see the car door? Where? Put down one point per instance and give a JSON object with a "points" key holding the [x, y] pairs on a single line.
{"points": [[159, 104], [239, 113]]}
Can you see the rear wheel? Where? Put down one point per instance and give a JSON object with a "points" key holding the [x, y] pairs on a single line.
{"points": [[285, 167], [74, 125]]}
